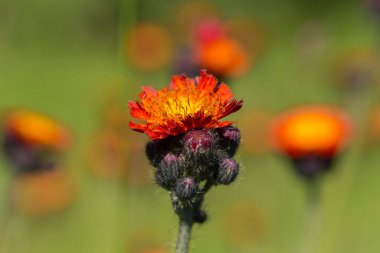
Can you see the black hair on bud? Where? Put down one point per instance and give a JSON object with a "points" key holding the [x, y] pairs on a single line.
{"points": [[199, 216], [170, 169], [186, 188], [228, 170], [229, 139]]}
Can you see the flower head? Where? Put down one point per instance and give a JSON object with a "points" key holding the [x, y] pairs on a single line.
{"points": [[35, 129], [311, 130], [223, 56], [187, 104]]}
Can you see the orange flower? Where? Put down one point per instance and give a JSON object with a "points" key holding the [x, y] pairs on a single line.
{"points": [[187, 104], [307, 130], [36, 129], [223, 56], [43, 193], [148, 46]]}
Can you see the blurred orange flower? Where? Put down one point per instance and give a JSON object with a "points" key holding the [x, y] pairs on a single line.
{"points": [[42, 193], [107, 154], [222, 56], [357, 69], [36, 129], [148, 46], [320, 130], [188, 104], [112, 153]]}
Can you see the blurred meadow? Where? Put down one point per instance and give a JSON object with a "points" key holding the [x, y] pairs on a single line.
{"points": [[80, 62]]}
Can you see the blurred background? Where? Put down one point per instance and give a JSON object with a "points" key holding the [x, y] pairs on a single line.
{"points": [[80, 62]]}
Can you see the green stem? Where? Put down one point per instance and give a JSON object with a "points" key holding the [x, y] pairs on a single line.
{"points": [[185, 212], [312, 218], [184, 231]]}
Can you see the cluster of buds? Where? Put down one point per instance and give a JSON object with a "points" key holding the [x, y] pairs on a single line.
{"points": [[188, 165]]}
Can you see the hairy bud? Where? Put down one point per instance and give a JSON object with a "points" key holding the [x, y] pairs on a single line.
{"points": [[155, 150], [169, 170], [201, 153], [228, 170], [198, 141], [161, 180], [229, 139], [186, 188]]}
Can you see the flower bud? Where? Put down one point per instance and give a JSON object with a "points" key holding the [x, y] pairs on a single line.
{"points": [[201, 153], [228, 170], [311, 165], [169, 170], [155, 151], [161, 180], [229, 139], [199, 216], [25, 158], [186, 188], [198, 141]]}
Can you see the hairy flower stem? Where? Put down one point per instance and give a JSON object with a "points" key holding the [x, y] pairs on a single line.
{"points": [[185, 212], [184, 230]]}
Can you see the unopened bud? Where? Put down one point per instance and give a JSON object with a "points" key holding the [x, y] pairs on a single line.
{"points": [[199, 216], [199, 140], [161, 180], [25, 158], [155, 151], [186, 188], [228, 170], [169, 170], [229, 139], [310, 166]]}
